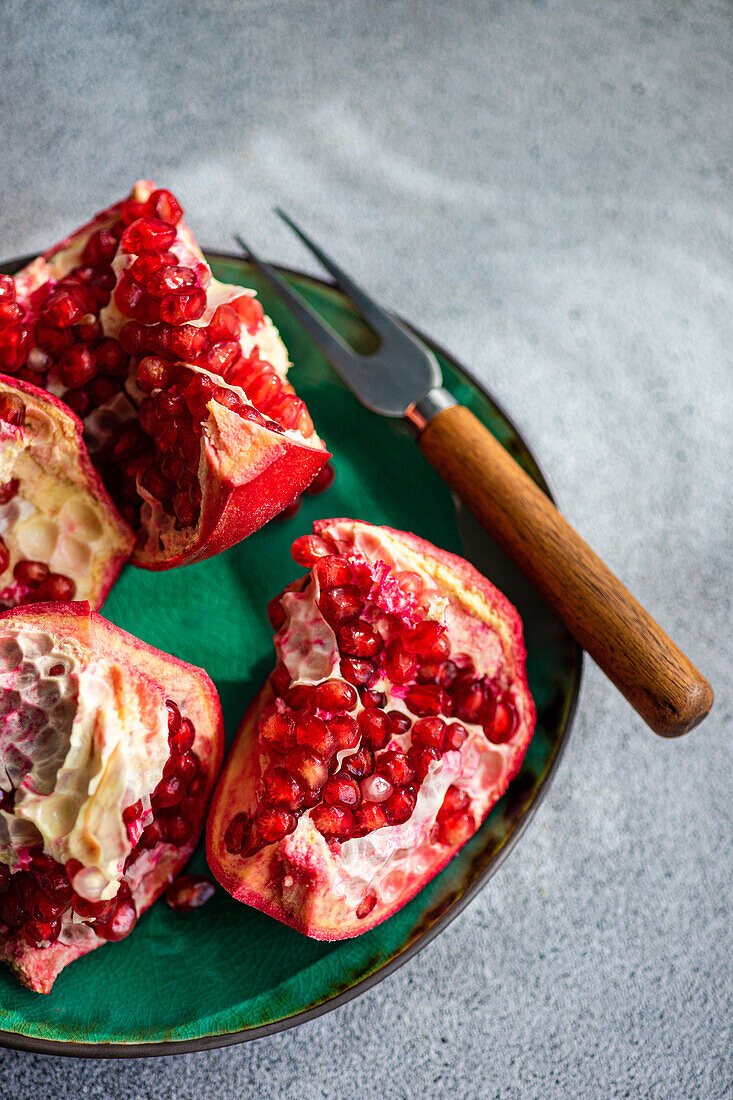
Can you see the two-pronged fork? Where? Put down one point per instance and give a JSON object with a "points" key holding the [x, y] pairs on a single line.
{"points": [[403, 379]]}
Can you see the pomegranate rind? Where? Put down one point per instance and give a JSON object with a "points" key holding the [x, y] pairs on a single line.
{"points": [[190, 687], [248, 472], [299, 880], [64, 457]]}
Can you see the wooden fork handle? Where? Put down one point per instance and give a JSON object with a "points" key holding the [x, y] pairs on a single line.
{"points": [[622, 638]]}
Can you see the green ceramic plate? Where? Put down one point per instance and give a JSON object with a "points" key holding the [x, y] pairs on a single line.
{"points": [[226, 973]]}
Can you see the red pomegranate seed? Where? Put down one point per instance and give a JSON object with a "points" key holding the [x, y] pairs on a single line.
{"points": [[399, 665], [333, 695], [341, 789], [309, 548], [340, 604], [455, 802], [469, 702], [8, 490], [112, 359], [503, 723], [456, 829], [427, 699], [400, 722], [376, 728], [273, 825], [170, 279], [313, 733], [39, 933], [120, 924], [397, 767], [154, 373], [333, 822], [455, 736], [187, 342], [332, 572], [130, 211], [10, 312], [359, 639], [250, 312], [152, 835], [429, 731], [360, 763], [31, 573], [178, 830], [12, 409], [100, 910], [187, 765], [358, 671], [63, 308], [146, 265], [423, 638], [101, 390], [7, 288], [346, 731], [282, 790], [263, 387], [169, 792], [307, 767], [100, 249], [237, 833], [183, 306], [4, 557], [323, 480], [402, 804], [370, 816], [164, 206], [56, 587], [280, 678], [443, 673], [371, 698], [189, 892], [376, 788], [278, 731], [221, 356], [298, 696], [225, 324], [276, 613], [132, 813], [422, 758], [147, 235]]}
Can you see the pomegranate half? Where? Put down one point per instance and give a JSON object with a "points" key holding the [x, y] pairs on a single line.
{"points": [[396, 716], [61, 536], [108, 754], [180, 379]]}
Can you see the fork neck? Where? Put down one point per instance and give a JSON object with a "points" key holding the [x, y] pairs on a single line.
{"points": [[421, 412]]}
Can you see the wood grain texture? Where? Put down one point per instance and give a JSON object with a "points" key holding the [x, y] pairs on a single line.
{"points": [[622, 638]]}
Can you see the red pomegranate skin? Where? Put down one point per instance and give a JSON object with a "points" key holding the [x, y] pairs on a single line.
{"points": [[240, 470], [60, 456], [340, 869], [150, 675]]}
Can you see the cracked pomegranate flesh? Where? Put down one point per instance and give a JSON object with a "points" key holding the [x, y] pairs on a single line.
{"points": [[108, 754], [180, 380], [396, 716], [61, 537]]}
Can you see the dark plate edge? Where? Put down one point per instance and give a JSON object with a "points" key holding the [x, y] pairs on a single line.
{"points": [[71, 1049]]}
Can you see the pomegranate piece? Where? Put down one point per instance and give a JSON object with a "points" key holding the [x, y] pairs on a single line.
{"points": [[65, 892], [401, 727], [180, 380], [62, 537]]}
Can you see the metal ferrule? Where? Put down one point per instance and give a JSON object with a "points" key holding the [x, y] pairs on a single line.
{"points": [[421, 412]]}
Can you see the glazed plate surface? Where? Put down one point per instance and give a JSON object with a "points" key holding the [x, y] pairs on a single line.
{"points": [[226, 973]]}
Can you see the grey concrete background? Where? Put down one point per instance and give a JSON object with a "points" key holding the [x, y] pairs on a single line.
{"points": [[546, 189]]}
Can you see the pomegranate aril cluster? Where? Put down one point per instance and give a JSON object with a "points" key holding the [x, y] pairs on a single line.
{"points": [[334, 751], [34, 901]]}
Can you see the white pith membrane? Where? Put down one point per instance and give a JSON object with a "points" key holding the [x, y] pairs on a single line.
{"points": [[384, 861], [221, 439], [55, 517], [80, 740]]}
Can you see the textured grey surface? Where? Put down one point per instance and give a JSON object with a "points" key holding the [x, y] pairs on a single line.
{"points": [[546, 189]]}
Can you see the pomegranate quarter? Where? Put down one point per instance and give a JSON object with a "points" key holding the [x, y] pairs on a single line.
{"points": [[61, 537], [180, 379], [108, 754], [396, 716]]}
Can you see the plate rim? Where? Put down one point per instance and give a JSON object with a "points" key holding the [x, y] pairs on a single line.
{"points": [[72, 1048]]}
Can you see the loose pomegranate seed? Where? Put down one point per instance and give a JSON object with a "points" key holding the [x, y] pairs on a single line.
{"points": [[370, 816], [189, 892], [429, 731], [333, 695], [400, 722], [250, 311], [346, 731], [147, 235], [224, 325], [309, 548], [237, 833], [332, 572], [333, 822], [340, 604], [376, 788], [273, 825], [469, 701], [365, 906], [63, 308], [358, 671], [282, 790], [164, 206], [307, 767], [359, 639], [397, 767], [276, 613], [455, 801], [426, 699], [12, 409], [422, 758], [376, 728], [360, 763], [8, 490], [313, 733], [56, 587], [423, 638], [31, 573], [456, 829], [7, 288], [323, 480], [341, 789]]}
